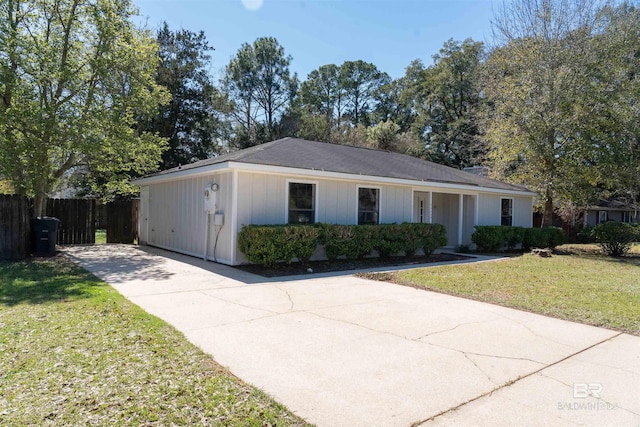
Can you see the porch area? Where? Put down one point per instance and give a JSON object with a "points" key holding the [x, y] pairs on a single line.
{"points": [[457, 212]]}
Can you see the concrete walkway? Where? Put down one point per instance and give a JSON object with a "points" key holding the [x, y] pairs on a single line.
{"points": [[343, 351]]}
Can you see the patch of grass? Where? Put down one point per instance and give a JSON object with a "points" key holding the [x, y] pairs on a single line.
{"points": [[75, 352], [595, 290], [101, 236], [592, 249]]}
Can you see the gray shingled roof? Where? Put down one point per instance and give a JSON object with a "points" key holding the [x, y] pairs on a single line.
{"points": [[313, 155]]}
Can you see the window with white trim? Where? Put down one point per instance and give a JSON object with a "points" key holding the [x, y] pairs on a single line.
{"points": [[602, 217], [368, 205], [302, 203], [506, 212]]}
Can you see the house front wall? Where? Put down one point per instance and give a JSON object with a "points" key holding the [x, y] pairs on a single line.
{"points": [[594, 217], [489, 209], [176, 220], [263, 199]]}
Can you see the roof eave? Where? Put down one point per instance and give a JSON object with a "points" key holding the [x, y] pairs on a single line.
{"points": [[287, 170], [181, 174]]}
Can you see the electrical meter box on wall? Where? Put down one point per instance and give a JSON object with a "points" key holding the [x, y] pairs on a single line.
{"points": [[210, 196]]}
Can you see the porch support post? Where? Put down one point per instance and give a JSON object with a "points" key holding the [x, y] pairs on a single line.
{"points": [[430, 208], [476, 209], [460, 217]]}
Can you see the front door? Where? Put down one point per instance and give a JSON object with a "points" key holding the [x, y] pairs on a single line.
{"points": [[420, 206]]}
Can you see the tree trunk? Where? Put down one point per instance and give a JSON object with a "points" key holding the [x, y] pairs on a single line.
{"points": [[39, 205], [547, 218]]}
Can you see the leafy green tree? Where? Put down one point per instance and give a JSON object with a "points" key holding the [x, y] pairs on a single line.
{"points": [[392, 104], [542, 127], [360, 80], [447, 100], [192, 121], [322, 95], [74, 76], [617, 95], [239, 83], [259, 84]]}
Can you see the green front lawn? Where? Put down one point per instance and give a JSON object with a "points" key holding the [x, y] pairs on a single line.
{"points": [[101, 236], [75, 352], [586, 288]]}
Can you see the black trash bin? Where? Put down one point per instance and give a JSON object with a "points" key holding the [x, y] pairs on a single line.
{"points": [[45, 235]]}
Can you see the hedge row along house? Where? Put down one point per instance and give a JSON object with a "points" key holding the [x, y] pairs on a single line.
{"points": [[198, 209]]}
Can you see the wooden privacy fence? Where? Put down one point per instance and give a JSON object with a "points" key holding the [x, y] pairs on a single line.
{"points": [[15, 227], [77, 223], [77, 220], [122, 221]]}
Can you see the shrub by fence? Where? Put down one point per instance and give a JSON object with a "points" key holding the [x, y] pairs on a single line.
{"points": [[493, 238], [269, 244]]}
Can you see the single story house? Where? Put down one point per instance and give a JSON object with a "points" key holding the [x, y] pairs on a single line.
{"points": [[610, 210], [198, 209]]}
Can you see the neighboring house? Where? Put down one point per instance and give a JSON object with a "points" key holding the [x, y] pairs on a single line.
{"points": [[610, 210], [296, 181]]}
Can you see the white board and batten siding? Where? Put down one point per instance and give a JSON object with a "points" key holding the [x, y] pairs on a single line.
{"points": [[489, 209], [177, 218], [262, 199]]}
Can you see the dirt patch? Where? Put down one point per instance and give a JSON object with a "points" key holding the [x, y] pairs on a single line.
{"points": [[284, 269]]}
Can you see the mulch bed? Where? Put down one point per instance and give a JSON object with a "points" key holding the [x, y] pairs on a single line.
{"points": [[284, 269]]}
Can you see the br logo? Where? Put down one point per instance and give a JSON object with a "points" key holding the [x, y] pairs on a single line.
{"points": [[584, 390]]}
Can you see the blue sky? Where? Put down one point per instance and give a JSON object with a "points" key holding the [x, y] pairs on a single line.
{"points": [[388, 33]]}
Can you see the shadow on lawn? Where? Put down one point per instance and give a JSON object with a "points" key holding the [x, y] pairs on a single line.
{"points": [[39, 281], [628, 259]]}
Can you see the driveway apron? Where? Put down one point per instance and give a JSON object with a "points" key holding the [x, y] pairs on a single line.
{"points": [[345, 351]]}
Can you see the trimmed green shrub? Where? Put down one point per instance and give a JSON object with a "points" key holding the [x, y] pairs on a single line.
{"points": [[616, 238], [548, 237], [303, 240], [411, 239], [493, 238], [513, 236], [268, 244], [586, 235], [388, 239], [534, 238], [263, 245], [431, 236], [489, 238], [554, 237], [351, 241]]}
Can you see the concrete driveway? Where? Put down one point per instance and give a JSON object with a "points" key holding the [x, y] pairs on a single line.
{"points": [[343, 351]]}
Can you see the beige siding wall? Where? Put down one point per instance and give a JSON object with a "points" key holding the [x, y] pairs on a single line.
{"points": [[490, 205], [262, 200], [523, 211], [177, 219], [445, 212], [489, 209]]}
